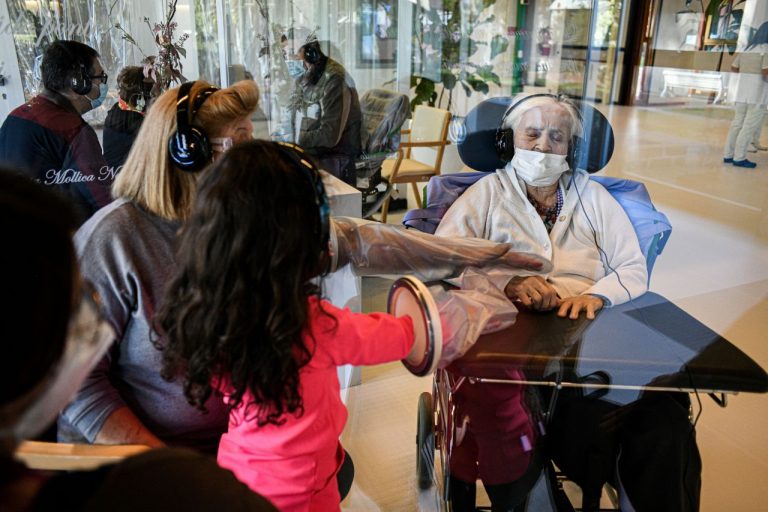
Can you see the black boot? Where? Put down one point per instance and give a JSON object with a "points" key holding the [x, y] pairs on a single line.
{"points": [[462, 495]]}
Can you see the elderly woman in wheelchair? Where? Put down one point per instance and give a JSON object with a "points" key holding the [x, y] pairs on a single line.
{"points": [[542, 201]]}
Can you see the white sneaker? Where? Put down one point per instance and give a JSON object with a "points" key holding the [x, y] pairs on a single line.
{"points": [[751, 148], [759, 147]]}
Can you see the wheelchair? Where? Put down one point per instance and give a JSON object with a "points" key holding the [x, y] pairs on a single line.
{"points": [[475, 385], [485, 374], [442, 424], [383, 112]]}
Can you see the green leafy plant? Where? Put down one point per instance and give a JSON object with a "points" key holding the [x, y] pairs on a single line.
{"points": [[165, 68], [446, 34]]}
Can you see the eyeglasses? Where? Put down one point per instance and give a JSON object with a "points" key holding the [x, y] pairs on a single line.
{"points": [[103, 77]]}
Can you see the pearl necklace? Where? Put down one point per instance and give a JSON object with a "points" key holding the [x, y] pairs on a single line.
{"points": [[549, 214]]}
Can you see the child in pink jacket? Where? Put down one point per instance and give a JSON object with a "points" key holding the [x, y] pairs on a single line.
{"points": [[243, 318]]}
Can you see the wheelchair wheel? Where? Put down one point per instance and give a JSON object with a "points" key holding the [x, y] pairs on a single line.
{"points": [[425, 442]]}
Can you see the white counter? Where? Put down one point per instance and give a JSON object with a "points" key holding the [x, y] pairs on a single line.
{"points": [[342, 288]]}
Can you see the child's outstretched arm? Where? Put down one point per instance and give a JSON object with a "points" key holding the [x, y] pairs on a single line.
{"points": [[361, 338]]}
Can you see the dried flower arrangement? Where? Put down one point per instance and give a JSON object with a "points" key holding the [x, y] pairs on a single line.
{"points": [[165, 67]]}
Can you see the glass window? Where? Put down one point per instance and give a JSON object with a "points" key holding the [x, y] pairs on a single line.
{"points": [[681, 82]]}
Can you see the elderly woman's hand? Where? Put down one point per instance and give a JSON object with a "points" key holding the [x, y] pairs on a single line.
{"points": [[589, 303], [533, 291]]}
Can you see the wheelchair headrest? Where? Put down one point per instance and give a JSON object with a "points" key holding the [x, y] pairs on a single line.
{"points": [[477, 139], [384, 113]]}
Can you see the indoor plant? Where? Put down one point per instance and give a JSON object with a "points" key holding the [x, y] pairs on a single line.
{"points": [[165, 68], [446, 34]]}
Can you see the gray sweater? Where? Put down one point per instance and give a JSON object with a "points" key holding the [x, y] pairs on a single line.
{"points": [[128, 256]]}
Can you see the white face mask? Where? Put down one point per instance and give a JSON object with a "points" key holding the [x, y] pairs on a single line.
{"points": [[538, 169], [295, 68], [103, 89]]}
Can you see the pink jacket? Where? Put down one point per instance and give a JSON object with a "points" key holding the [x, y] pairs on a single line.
{"points": [[295, 464]]}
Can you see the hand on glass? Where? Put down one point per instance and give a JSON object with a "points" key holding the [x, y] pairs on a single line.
{"points": [[589, 303], [533, 292]]}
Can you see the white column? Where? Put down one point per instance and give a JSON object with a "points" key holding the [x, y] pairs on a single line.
{"points": [[404, 45], [223, 43], [12, 91]]}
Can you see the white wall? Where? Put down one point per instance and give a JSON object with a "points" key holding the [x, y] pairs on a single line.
{"points": [[12, 93]]}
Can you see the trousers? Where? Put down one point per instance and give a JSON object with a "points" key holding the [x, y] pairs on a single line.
{"points": [[498, 443], [649, 444], [746, 120]]}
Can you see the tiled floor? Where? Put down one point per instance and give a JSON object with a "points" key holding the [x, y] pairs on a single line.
{"points": [[715, 267]]}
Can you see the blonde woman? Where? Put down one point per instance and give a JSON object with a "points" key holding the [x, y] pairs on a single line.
{"points": [[127, 252]]}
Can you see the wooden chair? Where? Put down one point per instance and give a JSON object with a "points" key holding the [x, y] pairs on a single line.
{"points": [[73, 457], [424, 152]]}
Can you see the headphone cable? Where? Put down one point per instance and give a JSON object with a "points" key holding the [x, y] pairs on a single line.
{"points": [[603, 255]]}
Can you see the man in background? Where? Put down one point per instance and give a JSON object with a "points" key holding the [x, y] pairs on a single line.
{"points": [[325, 108], [48, 140]]}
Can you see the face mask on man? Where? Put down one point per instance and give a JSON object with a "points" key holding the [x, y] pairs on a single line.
{"points": [[538, 169], [102, 96], [295, 68]]}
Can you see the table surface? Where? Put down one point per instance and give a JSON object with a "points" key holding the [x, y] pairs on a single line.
{"points": [[648, 343]]}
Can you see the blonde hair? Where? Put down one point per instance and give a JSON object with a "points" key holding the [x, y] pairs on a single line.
{"points": [[148, 177], [515, 114]]}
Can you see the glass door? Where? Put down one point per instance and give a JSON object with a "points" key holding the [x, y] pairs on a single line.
{"points": [[603, 51], [575, 48]]}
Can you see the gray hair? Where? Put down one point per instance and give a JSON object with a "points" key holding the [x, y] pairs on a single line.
{"points": [[515, 114]]}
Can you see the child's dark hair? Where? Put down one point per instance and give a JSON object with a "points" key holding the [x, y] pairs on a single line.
{"points": [[238, 304]]}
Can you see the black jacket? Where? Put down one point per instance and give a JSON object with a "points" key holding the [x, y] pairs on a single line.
{"points": [[120, 129], [329, 119]]}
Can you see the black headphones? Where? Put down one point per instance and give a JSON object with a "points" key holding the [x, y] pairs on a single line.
{"points": [[305, 163], [311, 53], [189, 147], [81, 84], [505, 137]]}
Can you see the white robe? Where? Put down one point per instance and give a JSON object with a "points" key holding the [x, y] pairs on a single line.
{"points": [[496, 208], [748, 85]]}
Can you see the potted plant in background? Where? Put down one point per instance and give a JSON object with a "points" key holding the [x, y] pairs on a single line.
{"points": [[443, 48], [444, 43]]}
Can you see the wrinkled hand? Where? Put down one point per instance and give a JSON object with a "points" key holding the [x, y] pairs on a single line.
{"points": [[533, 291], [589, 303]]}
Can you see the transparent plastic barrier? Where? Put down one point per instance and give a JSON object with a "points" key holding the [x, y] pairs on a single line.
{"points": [[372, 248]]}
